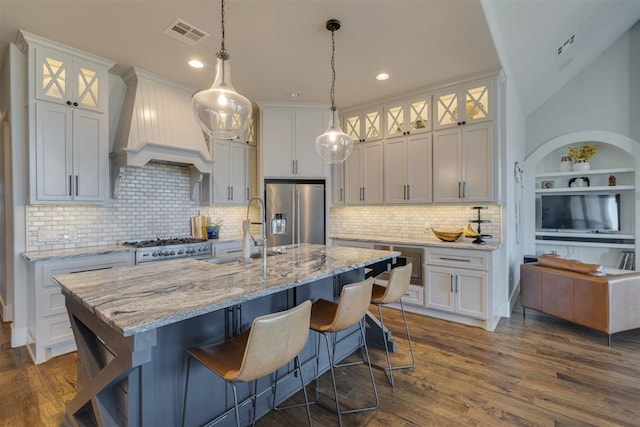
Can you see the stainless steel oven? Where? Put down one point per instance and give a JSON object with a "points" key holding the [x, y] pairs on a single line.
{"points": [[408, 254]]}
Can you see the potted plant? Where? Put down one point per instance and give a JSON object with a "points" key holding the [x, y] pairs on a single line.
{"points": [[213, 229], [581, 155]]}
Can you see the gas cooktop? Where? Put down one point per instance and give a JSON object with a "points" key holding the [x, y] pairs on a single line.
{"points": [[175, 247], [150, 243]]}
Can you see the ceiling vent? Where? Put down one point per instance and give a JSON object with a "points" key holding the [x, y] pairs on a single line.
{"points": [[185, 32]]}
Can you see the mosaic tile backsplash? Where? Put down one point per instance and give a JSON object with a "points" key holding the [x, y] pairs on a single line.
{"points": [[154, 201]]}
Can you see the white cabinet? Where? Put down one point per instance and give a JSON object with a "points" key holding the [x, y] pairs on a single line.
{"points": [[462, 105], [457, 282], [252, 172], [363, 174], [463, 164], [70, 80], [71, 154], [68, 123], [229, 172], [364, 125], [49, 329], [287, 139], [408, 116], [337, 184], [407, 169]]}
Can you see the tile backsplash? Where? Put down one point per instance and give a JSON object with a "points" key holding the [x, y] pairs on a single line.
{"points": [[410, 221], [154, 201]]}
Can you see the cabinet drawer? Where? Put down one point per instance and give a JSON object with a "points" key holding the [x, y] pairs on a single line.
{"points": [[223, 250], [465, 258], [52, 301], [414, 295], [56, 330]]}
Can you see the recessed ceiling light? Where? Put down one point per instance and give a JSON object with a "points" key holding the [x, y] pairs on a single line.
{"points": [[382, 76], [294, 94], [196, 64]]}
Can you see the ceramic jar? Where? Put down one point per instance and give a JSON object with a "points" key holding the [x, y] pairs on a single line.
{"points": [[581, 165], [565, 164]]}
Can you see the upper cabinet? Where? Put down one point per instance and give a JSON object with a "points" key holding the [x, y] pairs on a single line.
{"points": [[229, 173], [463, 164], [408, 117], [68, 122], [74, 81], [287, 141], [465, 104], [364, 125], [407, 169], [363, 174]]}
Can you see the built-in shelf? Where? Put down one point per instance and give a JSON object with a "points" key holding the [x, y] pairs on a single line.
{"points": [[585, 244], [604, 188], [584, 173]]}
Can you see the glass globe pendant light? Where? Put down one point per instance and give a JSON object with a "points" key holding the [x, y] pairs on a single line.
{"points": [[221, 111], [334, 146]]}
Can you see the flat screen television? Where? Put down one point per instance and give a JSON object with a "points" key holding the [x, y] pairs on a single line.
{"points": [[580, 212]]}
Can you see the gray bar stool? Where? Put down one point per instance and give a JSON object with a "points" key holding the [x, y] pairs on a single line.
{"points": [[272, 341], [328, 317], [396, 288]]}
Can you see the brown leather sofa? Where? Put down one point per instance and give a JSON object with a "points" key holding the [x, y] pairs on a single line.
{"points": [[575, 291]]}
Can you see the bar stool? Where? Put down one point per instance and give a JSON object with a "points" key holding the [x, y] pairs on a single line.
{"points": [[327, 317], [396, 288], [272, 341]]}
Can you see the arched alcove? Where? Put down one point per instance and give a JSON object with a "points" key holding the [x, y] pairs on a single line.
{"points": [[618, 155]]}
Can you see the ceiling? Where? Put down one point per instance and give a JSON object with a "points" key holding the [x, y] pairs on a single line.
{"points": [[282, 46], [276, 46]]}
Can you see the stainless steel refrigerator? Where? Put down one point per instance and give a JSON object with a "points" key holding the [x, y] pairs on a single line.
{"points": [[302, 205]]}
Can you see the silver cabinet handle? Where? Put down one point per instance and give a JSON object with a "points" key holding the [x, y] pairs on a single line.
{"points": [[70, 184], [404, 192], [459, 190], [408, 192], [464, 189], [293, 167], [247, 193], [451, 287], [341, 195], [231, 193], [76, 185], [454, 259]]}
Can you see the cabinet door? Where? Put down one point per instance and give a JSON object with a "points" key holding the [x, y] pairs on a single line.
{"points": [[353, 176], [353, 126], [309, 125], [395, 168], [337, 183], [89, 156], [221, 172], [418, 115], [372, 180], [419, 168], [446, 109], [54, 155], [371, 120], [439, 288], [394, 120], [478, 102], [53, 76], [252, 172], [237, 174], [89, 85], [471, 293], [447, 165], [277, 142], [477, 171]]}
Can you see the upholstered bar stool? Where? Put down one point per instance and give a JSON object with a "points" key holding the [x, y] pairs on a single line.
{"points": [[272, 341], [396, 288], [328, 317]]}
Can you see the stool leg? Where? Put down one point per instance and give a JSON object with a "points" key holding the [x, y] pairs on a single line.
{"points": [[386, 350], [333, 379], [304, 390], [366, 350], [406, 329], [235, 404]]}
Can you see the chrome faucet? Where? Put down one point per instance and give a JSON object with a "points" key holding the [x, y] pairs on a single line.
{"points": [[263, 231]]}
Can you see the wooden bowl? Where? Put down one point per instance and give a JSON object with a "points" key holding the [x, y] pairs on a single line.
{"points": [[447, 236]]}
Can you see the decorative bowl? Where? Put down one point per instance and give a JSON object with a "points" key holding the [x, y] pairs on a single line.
{"points": [[447, 236]]}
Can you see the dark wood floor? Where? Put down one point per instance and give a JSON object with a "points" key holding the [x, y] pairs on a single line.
{"points": [[535, 370]]}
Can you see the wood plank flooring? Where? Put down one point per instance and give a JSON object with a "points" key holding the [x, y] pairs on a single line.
{"points": [[532, 371]]}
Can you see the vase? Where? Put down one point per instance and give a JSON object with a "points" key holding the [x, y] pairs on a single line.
{"points": [[581, 165], [213, 233]]}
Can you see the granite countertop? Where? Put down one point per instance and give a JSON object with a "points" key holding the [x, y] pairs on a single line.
{"points": [[33, 256], [426, 240], [145, 297]]}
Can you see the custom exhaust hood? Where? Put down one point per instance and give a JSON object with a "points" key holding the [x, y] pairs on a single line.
{"points": [[157, 123]]}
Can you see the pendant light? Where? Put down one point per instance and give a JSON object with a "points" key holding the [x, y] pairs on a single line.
{"points": [[221, 111], [334, 146]]}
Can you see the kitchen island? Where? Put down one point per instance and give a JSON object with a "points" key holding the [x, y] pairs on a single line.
{"points": [[133, 324]]}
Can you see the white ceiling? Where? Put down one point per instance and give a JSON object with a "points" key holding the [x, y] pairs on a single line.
{"points": [[280, 46]]}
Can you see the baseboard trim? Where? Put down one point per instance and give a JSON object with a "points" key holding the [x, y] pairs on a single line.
{"points": [[513, 298], [6, 311], [18, 336]]}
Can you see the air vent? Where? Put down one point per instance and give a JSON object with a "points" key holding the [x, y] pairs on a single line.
{"points": [[564, 52], [185, 32]]}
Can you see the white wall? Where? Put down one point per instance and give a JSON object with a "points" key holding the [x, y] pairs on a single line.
{"points": [[603, 97]]}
